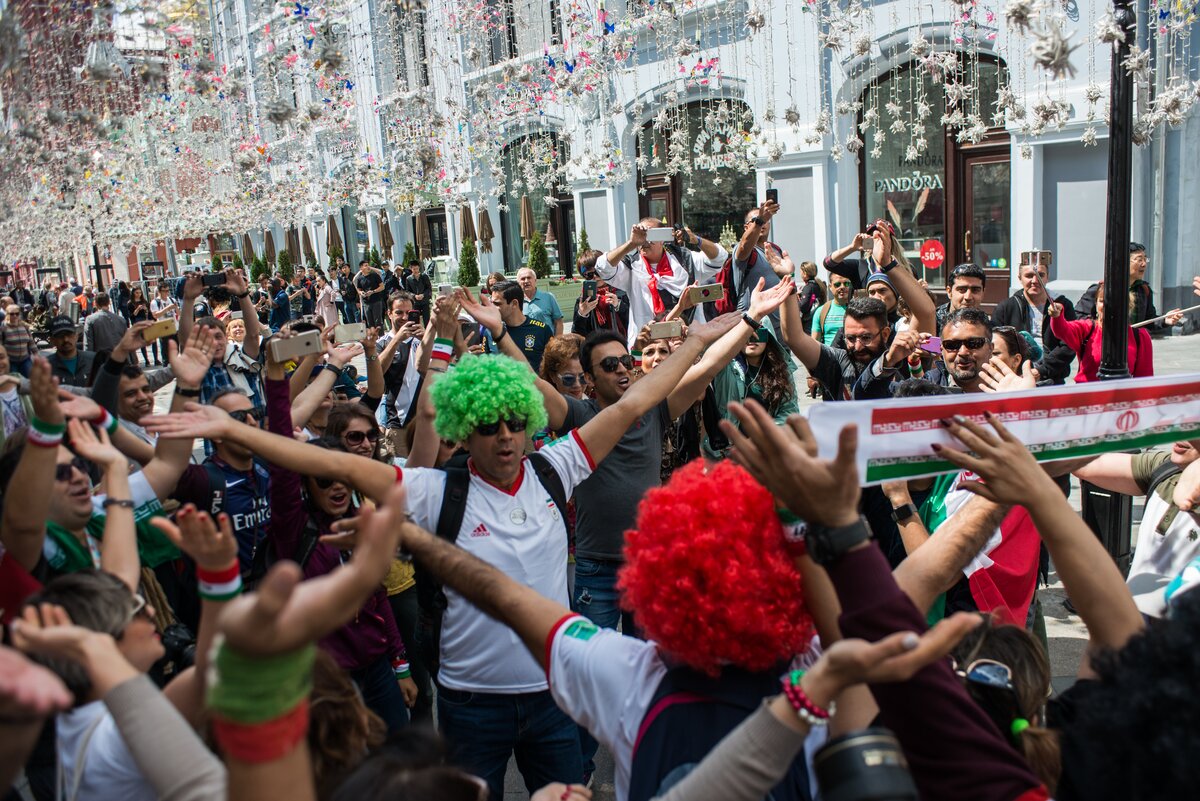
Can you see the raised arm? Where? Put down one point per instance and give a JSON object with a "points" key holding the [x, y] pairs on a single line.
{"points": [[637, 238], [762, 303], [375, 384], [307, 402], [601, 434], [1113, 472], [1009, 474], [171, 456], [799, 341], [923, 310], [750, 231], [118, 552], [239, 291], [23, 529], [193, 287]]}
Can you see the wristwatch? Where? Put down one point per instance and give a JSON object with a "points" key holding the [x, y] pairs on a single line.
{"points": [[827, 545], [902, 513], [748, 320], [245, 294], [888, 267]]}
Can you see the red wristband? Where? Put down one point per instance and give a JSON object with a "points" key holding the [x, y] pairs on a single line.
{"points": [[262, 742]]}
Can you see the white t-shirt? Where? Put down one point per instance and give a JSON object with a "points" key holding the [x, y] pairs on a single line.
{"points": [[109, 770], [521, 533], [158, 304], [1158, 558]]}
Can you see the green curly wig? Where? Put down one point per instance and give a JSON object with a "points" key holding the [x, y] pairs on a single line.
{"points": [[482, 389]]}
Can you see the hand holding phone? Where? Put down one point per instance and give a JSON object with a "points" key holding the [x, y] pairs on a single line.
{"points": [[589, 290], [295, 347], [660, 234], [667, 329]]}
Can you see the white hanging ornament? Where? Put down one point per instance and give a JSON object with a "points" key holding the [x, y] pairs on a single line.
{"points": [[1138, 63], [1019, 15], [1051, 51], [1088, 137], [1108, 31], [756, 20]]}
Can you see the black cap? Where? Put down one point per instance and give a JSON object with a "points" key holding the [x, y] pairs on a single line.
{"points": [[62, 325]]}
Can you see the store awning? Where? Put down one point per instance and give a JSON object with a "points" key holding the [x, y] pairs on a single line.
{"points": [[269, 249], [309, 255]]}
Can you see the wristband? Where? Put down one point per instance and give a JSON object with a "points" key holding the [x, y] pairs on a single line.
{"points": [[794, 531], [401, 668], [748, 320], [252, 690], [887, 267], [262, 742], [636, 355], [121, 502], [106, 421], [50, 429], [443, 349], [35, 437], [337, 371], [186, 392], [503, 333], [219, 585], [245, 294]]}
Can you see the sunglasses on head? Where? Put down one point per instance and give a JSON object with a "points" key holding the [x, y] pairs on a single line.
{"points": [[62, 472], [609, 363], [571, 379], [515, 425], [884, 224], [358, 437], [971, 343]]}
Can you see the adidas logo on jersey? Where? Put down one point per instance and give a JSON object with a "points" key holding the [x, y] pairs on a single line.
{"points": [[481, 531]]}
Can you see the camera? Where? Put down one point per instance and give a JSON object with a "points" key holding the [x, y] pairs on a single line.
{"points": [[865, 765]]}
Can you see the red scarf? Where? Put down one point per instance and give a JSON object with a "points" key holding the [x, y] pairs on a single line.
{"points": [[663, 269], [602, 310]]}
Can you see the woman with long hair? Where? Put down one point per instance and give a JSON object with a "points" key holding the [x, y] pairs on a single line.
{"points": [[325, 306], [762, 372], [139, 311], [1085, 336]]}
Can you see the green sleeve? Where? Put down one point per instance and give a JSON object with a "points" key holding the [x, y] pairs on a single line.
{"points": [[1144, 464]]}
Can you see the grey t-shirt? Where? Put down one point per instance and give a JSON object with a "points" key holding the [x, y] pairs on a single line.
{"points": [[606, 502]]}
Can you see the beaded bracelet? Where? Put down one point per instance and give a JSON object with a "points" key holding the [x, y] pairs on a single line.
{"points": [[806, 710]]}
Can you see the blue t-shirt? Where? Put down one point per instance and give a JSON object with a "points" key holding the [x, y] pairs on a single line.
{"points": [[245, 497], [531, 337], [543, 306], [281, 309]]}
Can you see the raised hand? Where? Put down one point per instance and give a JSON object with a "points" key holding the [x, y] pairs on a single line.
{"points": [[1004, 465], [193, 287], [212, 546], [586, 307], [637, 235], [1196, 285], [445, 317], [285, 614], [996, 376], [370, 341], [714, 329], [45, 394], [1054, 309], [1173, 318], [903, 346], [131, 340], [28, 690], [484, 312], [93, 444], [235, 282], [194, 422], [764, 302], [342, 354], [191, 365], [862, 241], [784, 460]]}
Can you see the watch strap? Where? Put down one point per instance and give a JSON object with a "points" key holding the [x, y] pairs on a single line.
{"points": [[904, 512], [826, 545]]}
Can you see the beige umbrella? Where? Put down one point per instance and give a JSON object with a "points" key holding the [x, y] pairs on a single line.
{"points": [[550, 237], [332, 237], [269, 249], [466, 224], [486, 234], [385, 234], [424, 244], [247, 249], [527, 228], [308, 248]]}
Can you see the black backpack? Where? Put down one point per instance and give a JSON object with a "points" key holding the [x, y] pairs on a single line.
{"points": [[431, 599]]}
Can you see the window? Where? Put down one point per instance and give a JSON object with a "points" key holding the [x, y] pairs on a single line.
{"points": [[533, 168], [411, 52], [502, 37]]}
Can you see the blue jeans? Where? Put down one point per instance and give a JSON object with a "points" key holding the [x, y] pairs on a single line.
{"points": [[485, 729], [381, 693], [595, 597]]}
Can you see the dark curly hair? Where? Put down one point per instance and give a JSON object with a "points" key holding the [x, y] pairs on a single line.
{"points": [[774, 379]]}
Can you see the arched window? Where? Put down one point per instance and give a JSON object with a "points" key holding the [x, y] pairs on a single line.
{"points": [[534, 168], [695, 166]]}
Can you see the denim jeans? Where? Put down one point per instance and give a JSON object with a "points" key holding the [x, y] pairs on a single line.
{"points": [[485, 729], [595, 597], [381, 693]]}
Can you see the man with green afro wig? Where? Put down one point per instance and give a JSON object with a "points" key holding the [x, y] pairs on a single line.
{"points": [[484, 389]]}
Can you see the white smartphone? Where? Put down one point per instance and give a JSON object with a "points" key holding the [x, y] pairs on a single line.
{"points": [[445, 290], [667, 329], [350, 332], [296, 347], [662, 234]]}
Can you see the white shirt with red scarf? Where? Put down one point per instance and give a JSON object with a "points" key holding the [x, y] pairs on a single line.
{"points": [[668, 274]]}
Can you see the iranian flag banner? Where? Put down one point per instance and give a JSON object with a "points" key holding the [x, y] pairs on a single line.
{"points": [[1054, 423]]}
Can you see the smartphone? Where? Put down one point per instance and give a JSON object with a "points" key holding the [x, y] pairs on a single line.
{"points": [[660, 235], [212, 279], [934, 345], [351, 332], [296, 347], [166, 327], [668, 329], [235, 315], [445, 290], [709, 293], [414, 316], [589, 290], [773, 195]]}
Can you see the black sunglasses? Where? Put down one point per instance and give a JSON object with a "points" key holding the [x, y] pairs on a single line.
{"points": [[358, 437], [571, 379], [244, 415], [515, 424], [62, 472], [326, 483], [972, 343], [609, 363]]}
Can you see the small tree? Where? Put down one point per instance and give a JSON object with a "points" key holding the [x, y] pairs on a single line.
{"points": [[468, 265], [334, 253], [258, 269], [284, 262], [584, 245], [410, 254], [237, 262], [539, 261], [216, 263]]}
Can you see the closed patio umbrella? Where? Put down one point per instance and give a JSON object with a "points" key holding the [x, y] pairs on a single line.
{"points": [[247, 249], [527, 228], [486, 234], [333, 237], [269, 249], [309, 254], [385, 234], [293, 239], [550, 236], [466, 224], [424, 243]]}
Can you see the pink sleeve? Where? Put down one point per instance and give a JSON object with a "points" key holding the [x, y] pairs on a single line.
{"points": [[1144, 363]]}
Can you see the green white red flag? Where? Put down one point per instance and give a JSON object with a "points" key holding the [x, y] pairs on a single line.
{"points": [[1067, 422]]}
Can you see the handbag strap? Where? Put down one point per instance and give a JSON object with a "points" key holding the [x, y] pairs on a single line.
{"points": [[80, 763]]}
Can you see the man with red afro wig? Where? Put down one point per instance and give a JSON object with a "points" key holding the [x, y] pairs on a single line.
{"points": [[710, 579]]}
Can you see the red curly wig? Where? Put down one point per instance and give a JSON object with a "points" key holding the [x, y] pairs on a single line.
{"points": [[706, 574]]}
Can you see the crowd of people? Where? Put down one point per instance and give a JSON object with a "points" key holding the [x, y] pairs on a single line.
{"points": [[508, 541]]}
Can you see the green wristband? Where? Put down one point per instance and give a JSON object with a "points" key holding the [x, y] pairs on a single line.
{"points": [[254, 690], [42, 427]]}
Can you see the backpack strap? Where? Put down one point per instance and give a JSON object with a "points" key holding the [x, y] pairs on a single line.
{"points": [[454, 503], [1161, 474], [1088, 336], [549, 478], [825, 307]]}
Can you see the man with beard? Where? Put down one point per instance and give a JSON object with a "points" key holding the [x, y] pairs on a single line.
{"points": [[966, 347], [866, 334], [1029, 310]]}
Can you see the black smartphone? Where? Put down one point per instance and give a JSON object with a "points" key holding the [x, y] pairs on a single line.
{"points": [[589, 290], [414, 316], [773, 195], [213, 279]]}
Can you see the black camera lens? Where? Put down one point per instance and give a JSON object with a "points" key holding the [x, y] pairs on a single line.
{"points": [[865, 765]]}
